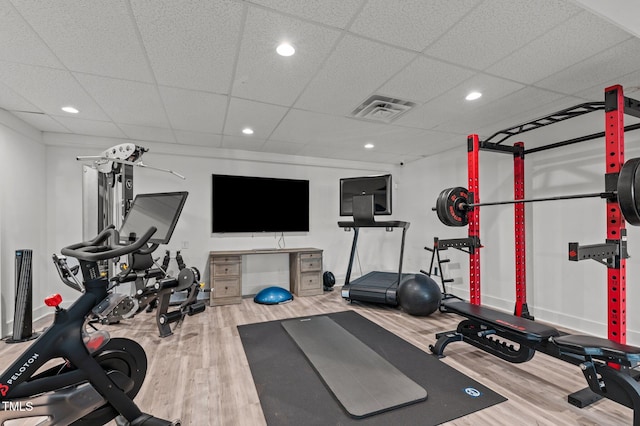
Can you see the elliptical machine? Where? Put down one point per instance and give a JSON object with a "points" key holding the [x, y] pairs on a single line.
{"points": [[99, 376]]}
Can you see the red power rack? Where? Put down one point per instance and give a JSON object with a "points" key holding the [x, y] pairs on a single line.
{"points": [[615, 107]]}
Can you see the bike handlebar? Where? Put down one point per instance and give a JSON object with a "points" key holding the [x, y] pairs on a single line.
{"points": [[94, 250]]}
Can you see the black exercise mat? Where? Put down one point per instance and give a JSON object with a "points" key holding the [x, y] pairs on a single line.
{"points": [[291, 393], [361, 380]]}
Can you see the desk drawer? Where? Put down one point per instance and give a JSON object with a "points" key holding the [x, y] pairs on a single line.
{"points": [[225, 269], [226, 288], [310, 263], [310, 281], [226, 259]]}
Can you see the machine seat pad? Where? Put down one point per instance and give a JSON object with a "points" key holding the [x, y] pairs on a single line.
{"points": [[518, 326], [597, 347]]}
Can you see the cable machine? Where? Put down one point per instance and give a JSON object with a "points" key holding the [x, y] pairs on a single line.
{"points": [[107, 187]]}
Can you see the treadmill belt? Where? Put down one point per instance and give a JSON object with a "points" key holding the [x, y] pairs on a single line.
{"points": [[360, 379], [377, 279]]}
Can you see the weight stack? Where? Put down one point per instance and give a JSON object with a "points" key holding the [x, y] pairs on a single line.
{"points": [[23, 314]]}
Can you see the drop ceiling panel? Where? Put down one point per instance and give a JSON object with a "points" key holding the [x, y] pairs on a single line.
{"points": [[580, 37], [11, 101], [190, 70], [280, 147], [336, 13], [497, 28], [75, 29], [452, 106], [31, 49], [429, 115], [195, 111], [144, 133], [42, 122], [49, 89], [427, 143], [91, 127], [424, 79], [624, 13], [612, 63], [260, 117], [630, 85], [187, 137], [438, 143], [513, 107], [413, 24], [190, 44], [407, 142], [265, 76], [126, 102], [245, 143], [355, 70], [306, 127], [351, 154]]}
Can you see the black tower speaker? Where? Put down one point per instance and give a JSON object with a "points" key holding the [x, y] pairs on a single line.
{"points": [[23, 314]]}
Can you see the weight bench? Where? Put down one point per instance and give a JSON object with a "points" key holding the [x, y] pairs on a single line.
{"points": [[605, 364]]}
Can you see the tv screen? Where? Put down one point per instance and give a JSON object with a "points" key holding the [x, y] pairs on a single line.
{"points": [[379, 186], [259, 204], [161, 210]]}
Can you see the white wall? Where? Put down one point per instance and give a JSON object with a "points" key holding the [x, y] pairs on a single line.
{"points": [[571, 294], [41, 208], [23, 209], [194, 228]]}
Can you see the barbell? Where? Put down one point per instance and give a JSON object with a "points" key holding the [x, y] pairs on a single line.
{"points": [[452, 204]]}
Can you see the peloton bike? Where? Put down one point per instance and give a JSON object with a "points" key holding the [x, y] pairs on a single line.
{"points": [[98, 377]]}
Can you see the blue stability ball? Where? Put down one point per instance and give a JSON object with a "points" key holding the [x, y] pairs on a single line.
{"points": [[419, 295], [273, 296]]}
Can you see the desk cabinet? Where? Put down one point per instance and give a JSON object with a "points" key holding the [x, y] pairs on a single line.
{"points": [[306, 273], [225, 278]]}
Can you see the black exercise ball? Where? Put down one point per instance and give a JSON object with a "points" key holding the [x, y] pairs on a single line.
{"points": [[419, 295]]}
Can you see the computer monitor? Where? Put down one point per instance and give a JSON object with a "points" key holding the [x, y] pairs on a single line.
{"points": [[377, 186], [161, 210]]}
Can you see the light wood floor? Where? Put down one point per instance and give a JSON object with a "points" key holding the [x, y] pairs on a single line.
{"points": [[201, 375]]}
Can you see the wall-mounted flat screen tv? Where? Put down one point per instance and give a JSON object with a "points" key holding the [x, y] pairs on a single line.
{"points": [[259, 204], [379, 186]]}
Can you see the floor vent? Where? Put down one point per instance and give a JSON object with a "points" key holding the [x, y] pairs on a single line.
{"points": [[382, 108]]}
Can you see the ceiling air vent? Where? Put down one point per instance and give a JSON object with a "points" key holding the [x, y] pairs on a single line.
{"points": [[382, 108]]}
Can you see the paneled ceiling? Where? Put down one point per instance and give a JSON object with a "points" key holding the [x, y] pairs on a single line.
{"points": [[198, 72]]}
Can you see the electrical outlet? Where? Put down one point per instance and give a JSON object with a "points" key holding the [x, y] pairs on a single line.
{"points": [[185, 244]]}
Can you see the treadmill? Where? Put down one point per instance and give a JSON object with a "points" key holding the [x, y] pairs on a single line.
{"points": [[375, 286]]}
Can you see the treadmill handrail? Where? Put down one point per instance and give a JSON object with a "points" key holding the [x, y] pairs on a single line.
{"points": [[381, 224]]}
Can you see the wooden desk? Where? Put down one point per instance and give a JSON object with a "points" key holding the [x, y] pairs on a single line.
{"points": [[225, 277]]}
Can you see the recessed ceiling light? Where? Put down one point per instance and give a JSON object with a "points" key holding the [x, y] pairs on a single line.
{"points": [[285, 49], [369, 145], [247, 131], [472, 96], [70, 110]]}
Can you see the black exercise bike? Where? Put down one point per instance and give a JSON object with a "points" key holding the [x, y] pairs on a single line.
{"points": [[98, 377]]}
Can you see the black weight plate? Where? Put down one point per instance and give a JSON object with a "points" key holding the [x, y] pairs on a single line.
{"points": [[628, 181], [449, 206], [441, 207]]}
